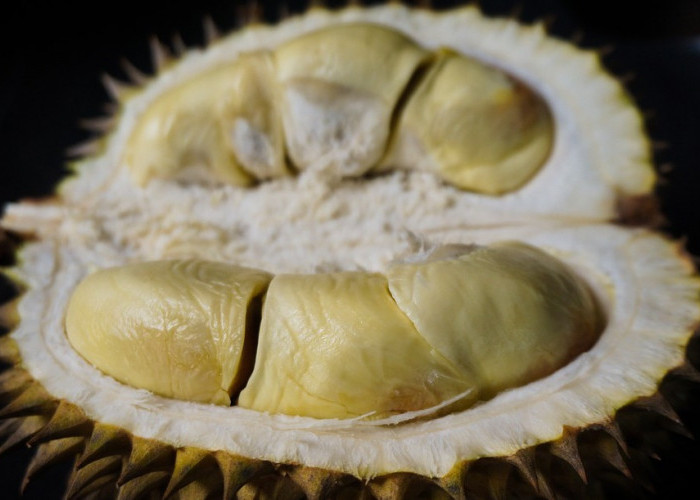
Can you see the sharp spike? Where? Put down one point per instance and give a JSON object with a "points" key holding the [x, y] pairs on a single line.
{"points": [[211, 31], [67, 421], [105, 441], [524, 462], [27, 427], [612, 429], [318, 484], [159, 54], [189, 465], [139, 487], [50, 453], [179, 46], [135, 75], [237, 471], [658, 404], [8, 426], [454, 482], [688, 372], [566, 448], [32, 400], [81, 478], [9, 352], [391, 486], [147, 456], [99, 125], [14, 380], [100, 484], [84, 149], [195, 490], [114, 87], [9, 317], [609, 451]]}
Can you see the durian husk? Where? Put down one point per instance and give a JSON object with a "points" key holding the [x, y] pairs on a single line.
{"points": [[579, 460]]}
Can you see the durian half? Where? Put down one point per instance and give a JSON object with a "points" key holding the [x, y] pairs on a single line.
{"points": [[338, 210]]}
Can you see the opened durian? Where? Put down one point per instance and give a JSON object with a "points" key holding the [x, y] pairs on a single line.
{"points": [[370, 253]]}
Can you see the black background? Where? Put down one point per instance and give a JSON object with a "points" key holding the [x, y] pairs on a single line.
{"points": [[52, 57]]}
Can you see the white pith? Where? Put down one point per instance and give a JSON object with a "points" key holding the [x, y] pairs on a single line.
{"points": [[365, 225]]}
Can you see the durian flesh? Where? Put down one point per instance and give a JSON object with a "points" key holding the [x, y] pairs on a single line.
{"points": [[647, 291]]}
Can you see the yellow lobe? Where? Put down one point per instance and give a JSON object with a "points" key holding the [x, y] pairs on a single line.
{"points": [[222, 124], [474, 126], [336, 346], [340, 87], [506, 314], [176, 328]]}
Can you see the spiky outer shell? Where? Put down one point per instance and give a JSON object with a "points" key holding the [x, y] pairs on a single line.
{"points": [[95, 474]]}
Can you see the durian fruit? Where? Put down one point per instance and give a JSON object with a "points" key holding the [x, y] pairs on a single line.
{"points": [[494, 274]]}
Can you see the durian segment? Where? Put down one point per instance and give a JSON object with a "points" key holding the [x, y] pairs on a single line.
{"points": [[335, 345], [474, 126], [505, 314], [222, 124], [176, 328], [340, 87]]}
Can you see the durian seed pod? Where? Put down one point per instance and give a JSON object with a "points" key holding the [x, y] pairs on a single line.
{"points": [[113, 458]]}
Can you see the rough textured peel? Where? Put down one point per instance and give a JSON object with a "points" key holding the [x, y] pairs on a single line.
{"points": [[544, 439]]}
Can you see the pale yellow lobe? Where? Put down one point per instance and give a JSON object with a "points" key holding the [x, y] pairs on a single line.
{"points": [[176, 328], [336, 346], [474, 126], [340, 87], [506, 315], [222, 125]]}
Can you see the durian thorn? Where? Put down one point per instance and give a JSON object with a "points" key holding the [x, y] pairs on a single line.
{"points": [[627, 78], [14, 380], [566, 449], [200, 489], [543, 487], [147, 456], [81, 478], [51, 453], [9, 352], [318, 484], [190, 463], [686, 371], [100, 125], [136, 76], [657, 403], [577, 37], [9, 314], [524, 462], [115, 88], [88, 148], [138, 487], [237, 471], [25, 429], [211, 31], [32, 400], [454, 481], [105, 440], [391, 486], [179, 45], [609, 451], [612, 428], [516, 11], [97, 486], [160, 55], [67, 421]]}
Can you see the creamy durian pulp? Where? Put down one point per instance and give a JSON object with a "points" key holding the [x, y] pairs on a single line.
{"points": [[620, 320]]}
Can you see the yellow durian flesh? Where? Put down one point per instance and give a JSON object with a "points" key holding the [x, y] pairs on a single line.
{"points": [[474, 126], [340, 87], [505, 314], [176, 328], [222, 125], [336, 346]]}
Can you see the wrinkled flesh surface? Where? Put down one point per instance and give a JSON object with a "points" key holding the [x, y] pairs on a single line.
{"points": [[346, 101], [338, 345]]}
